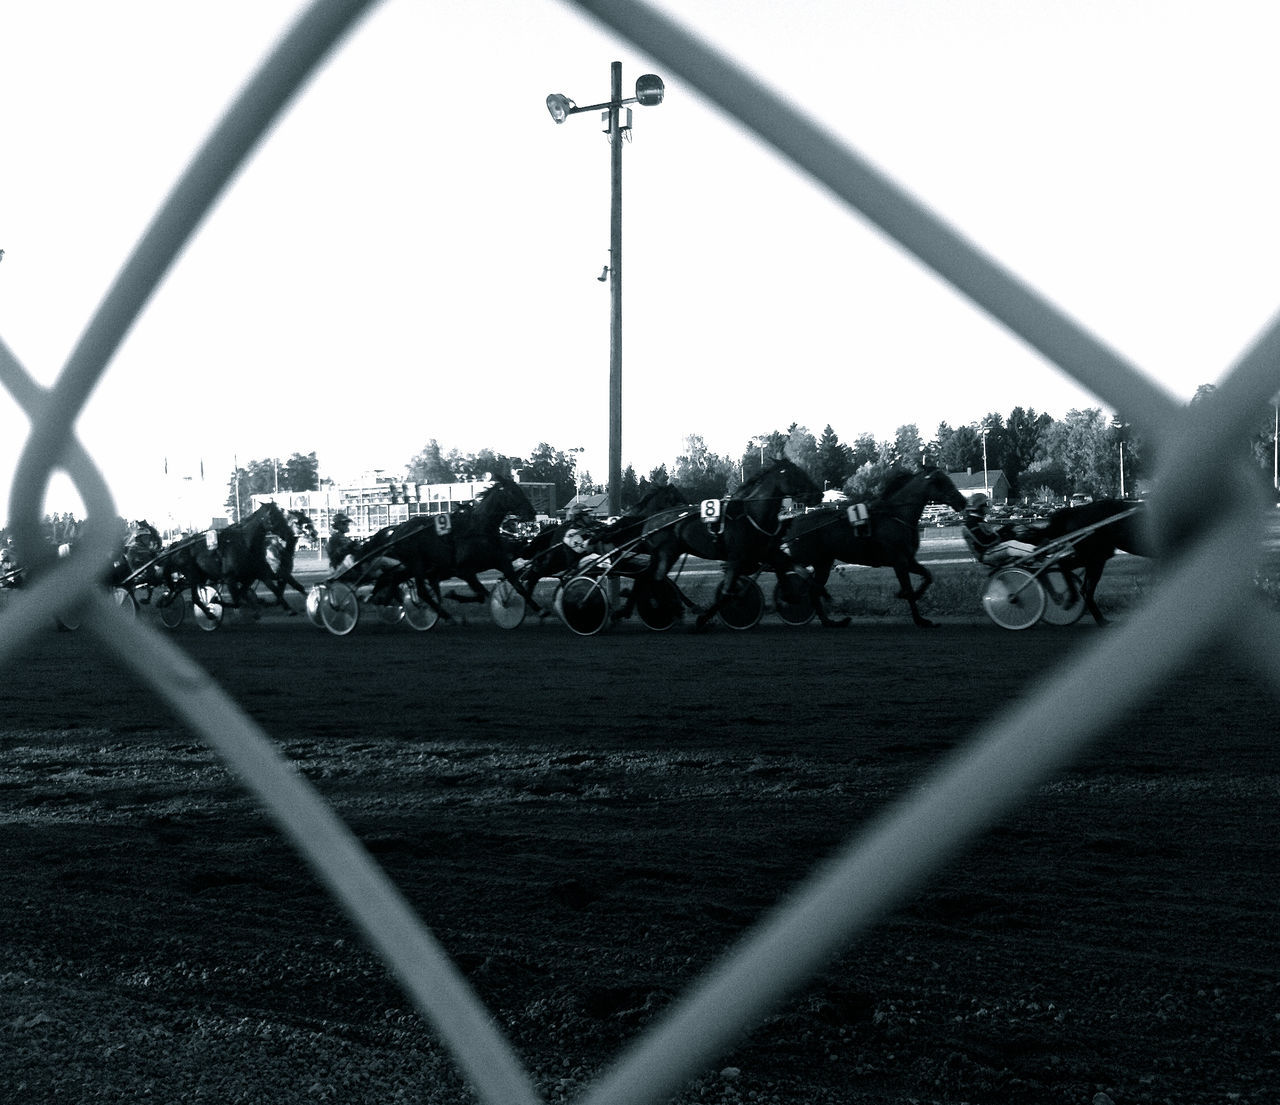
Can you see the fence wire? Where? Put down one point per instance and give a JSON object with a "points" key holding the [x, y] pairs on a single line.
{"points": [[1205, 597]]}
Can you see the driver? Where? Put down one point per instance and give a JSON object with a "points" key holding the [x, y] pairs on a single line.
{"points": [[990, 543]]}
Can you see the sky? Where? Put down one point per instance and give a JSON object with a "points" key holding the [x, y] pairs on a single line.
{"points": [[413, 252]]}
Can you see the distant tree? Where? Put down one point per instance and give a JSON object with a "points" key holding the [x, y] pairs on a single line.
{"points": [[907, 447], [835, 461], [550, 465], [864, 450], [1023, 433], [700, 473], [257, 477], [867, 482], [429, 466], [961, 450], [658, 476], [630, 487], [802, 449], [300, 473], [1081, 442]]}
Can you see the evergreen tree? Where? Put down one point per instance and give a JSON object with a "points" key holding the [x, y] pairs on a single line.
{"points": [[834, 460]]}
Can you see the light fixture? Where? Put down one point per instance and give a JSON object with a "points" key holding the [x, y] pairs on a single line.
{"points": [[560, 106]]}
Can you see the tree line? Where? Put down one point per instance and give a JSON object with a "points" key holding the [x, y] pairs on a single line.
{"points": [[1045, 458]]}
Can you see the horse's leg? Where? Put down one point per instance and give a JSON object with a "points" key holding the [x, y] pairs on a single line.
{"points": [[904, 570], [818, 594], [1092, 576]]}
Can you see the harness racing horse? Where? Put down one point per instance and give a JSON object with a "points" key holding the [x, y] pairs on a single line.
{"points": [[235, 556], [279, 555], [745, 533], [889, 538], [1119, 527], [431, 548]]}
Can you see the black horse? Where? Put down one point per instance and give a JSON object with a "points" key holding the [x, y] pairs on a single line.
{"points": [[743, 531], [888, 538], [278, 557], [432, 548], [234, 557], [1118, 527]]}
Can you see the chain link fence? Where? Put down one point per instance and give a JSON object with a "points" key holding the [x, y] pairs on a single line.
{"points": [[1205, 595]]}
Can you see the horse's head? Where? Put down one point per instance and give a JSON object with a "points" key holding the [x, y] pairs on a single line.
{"points": [[940, 489], [785, 479], [301, 525], [507, 496]]}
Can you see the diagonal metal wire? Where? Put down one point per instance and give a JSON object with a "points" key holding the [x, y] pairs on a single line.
{"points": [[1207, 593]]}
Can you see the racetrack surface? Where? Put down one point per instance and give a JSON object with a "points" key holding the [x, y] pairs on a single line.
{"points": [[586, 823]]}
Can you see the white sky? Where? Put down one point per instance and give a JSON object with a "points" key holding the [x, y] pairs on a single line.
{"points": [[414, 251]]}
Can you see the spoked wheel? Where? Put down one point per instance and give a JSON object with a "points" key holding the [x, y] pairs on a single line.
{"points": [[792, 600], [339, 609], [1064, 602], [209, 610], [418, 615], [584, 605], [314, 598], [172, 606], [744, 607], [657, 604], [124, 597], [506, 605], [1014, 599]]}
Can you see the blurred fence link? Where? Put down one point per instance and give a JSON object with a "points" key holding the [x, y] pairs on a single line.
{"points": [[1205, 595]]}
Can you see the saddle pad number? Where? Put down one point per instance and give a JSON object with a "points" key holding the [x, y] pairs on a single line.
{"points": [[576, 539], [711, 510], [858, 515], [211, 540], [444, 524]]}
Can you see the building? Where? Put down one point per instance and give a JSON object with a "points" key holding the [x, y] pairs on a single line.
{"points": [[377, 501], [992, 483]]}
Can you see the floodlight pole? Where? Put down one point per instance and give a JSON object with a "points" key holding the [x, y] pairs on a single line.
{"points": [[649, 93], [615, 292]]}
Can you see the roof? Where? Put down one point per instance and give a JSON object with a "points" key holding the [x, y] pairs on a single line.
{"points": [[597, 504], [975, 481]]}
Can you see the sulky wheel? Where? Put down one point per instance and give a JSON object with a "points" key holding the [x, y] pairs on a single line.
{"points": [[792, 599], [1014, 598], [314, 598], [339, 609], [172, 606], [584, 605], [656, 604], [744, 607], [418, 615], [506, 605], [1064, 602], [208, 609], [124, 597]]}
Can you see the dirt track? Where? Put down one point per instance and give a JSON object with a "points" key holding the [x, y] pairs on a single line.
{"points": [[586, 824]]}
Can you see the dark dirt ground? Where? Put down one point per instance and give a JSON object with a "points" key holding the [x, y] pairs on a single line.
{"points": [[586, 824]]}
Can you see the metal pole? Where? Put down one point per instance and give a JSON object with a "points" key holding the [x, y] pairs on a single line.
{"points": [[615, 293], [1122, 469]]}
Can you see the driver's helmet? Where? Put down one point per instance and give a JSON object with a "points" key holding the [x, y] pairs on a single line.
{"points": [[977, 504]]}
